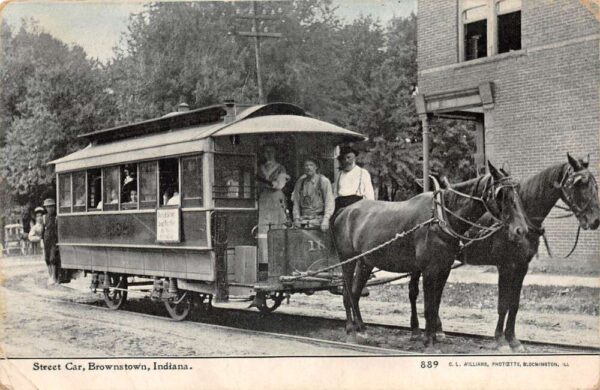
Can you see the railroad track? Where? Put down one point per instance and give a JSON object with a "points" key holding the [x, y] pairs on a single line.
{"points": [[329, 330], [302, 326]]}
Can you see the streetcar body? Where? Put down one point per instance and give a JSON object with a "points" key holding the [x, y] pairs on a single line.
{"points": [[174, 200]]}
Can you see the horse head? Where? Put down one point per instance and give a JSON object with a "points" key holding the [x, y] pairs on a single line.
{"points": [[579, 191], [503, 203]]}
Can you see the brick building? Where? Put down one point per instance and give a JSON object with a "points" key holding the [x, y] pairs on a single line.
{"points": [[527, 72]]}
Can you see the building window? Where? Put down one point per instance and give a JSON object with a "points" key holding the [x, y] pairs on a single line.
{"points": [[148, 186], [474, 19], [234, 181], [64, 198], [79, 191], [191, 181], [168, 182], [509, 25], [94, 183], [111, 188], [489, 27]]}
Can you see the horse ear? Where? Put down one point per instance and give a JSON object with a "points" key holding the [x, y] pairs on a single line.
{"points": [[586, 161], [574, 163], [495, 173], [505, 168]]}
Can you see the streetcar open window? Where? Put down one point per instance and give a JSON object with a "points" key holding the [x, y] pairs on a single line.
{"points": [[168, 182], [129, 187], [148, 186], [64, 198], [94, 184], [111, 188], [191, 181], [234, 181], [79, 191]]}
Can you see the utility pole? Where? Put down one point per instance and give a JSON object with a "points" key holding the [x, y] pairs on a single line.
{"points": [[257, 22]]}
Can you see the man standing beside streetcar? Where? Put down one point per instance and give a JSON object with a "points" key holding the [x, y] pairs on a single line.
{"points": [[313, 198]]}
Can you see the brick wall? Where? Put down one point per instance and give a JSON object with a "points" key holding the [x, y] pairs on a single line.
{"points": [[546, 96]]}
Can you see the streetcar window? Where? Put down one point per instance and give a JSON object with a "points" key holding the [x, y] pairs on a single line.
{"points": [[64, 198], [94, 183], [168, 182], [148, 185], [234, 181], [111, 188], [129, 187], [79, 191], [191, 181]]}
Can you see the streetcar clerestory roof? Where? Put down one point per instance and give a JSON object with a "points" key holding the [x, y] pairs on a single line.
{"points": [[189, 132]]}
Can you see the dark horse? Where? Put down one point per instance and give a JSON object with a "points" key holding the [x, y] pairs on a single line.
{"points": [[571, 182], [429, 249]]}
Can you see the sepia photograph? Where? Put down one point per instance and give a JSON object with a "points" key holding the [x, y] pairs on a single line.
{"points": [[294, 194]]}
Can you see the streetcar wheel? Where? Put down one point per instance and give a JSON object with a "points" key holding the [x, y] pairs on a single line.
{"points": [[271, 303], [179, 309], [113, 298]]}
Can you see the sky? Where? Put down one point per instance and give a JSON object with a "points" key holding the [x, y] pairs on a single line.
{"points": [[97, 26]]}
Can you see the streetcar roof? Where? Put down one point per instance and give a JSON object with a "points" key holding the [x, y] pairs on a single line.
{"points": [[187, 132]]}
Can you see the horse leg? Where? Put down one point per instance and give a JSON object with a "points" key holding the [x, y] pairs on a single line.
{"points": [[513, 308], [441, 283], [413, 294], [504, 285], [347, 276], [429, 293], [363, 271]]}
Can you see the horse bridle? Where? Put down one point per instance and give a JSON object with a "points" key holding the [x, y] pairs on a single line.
{"points": [[489, 191], [566, 184]]}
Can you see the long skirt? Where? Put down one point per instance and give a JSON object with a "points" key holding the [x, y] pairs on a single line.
{"points": [[271, 215]]}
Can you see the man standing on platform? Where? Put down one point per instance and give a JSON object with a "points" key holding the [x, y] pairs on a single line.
{"points": [[313, 198], [353, 182]]}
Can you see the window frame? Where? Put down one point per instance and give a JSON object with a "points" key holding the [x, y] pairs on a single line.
{"points": [[200, 160], [60, 208], [224, 202], [491, 32]]}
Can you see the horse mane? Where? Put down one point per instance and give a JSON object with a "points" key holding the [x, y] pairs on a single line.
{"points": [[539, 186]]}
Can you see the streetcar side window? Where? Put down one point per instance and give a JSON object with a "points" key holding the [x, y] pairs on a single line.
{"points": [[64, 198], [94, 187], [147, 185], [111, 188], [234, 181], [168, 170], [191, 181], [129, 187], [79, 191]]}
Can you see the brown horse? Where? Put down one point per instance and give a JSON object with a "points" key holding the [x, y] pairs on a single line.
{"points": [[429, 249], [571, 182]]}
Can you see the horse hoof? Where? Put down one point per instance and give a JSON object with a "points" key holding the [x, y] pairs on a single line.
{"points": [[362, 335], [432, 350], [415, 335], [351, 338], [504, 348], [440, 336], [517, 346]]}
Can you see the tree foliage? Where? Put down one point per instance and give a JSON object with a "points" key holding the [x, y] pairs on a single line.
{"points": [[50, 94], [359, 75]]}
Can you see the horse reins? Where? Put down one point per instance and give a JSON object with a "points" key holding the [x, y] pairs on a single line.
{"points": [[441, 212]]}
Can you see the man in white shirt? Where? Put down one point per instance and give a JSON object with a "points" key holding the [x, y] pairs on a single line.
{"points": [[353, 182]]}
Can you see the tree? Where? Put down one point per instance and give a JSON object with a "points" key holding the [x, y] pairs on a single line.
{"points": [[51, 93]]}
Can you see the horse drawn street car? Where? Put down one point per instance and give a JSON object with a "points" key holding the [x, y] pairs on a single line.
{"points": [[13, 240], [170, 206]]}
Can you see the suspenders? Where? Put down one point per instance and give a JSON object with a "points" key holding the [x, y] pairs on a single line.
{"points": [[337, 185]]}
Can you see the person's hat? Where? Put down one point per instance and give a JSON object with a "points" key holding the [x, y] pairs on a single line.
{"points": [[344, 150], [49, 202], [39, 210]]}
